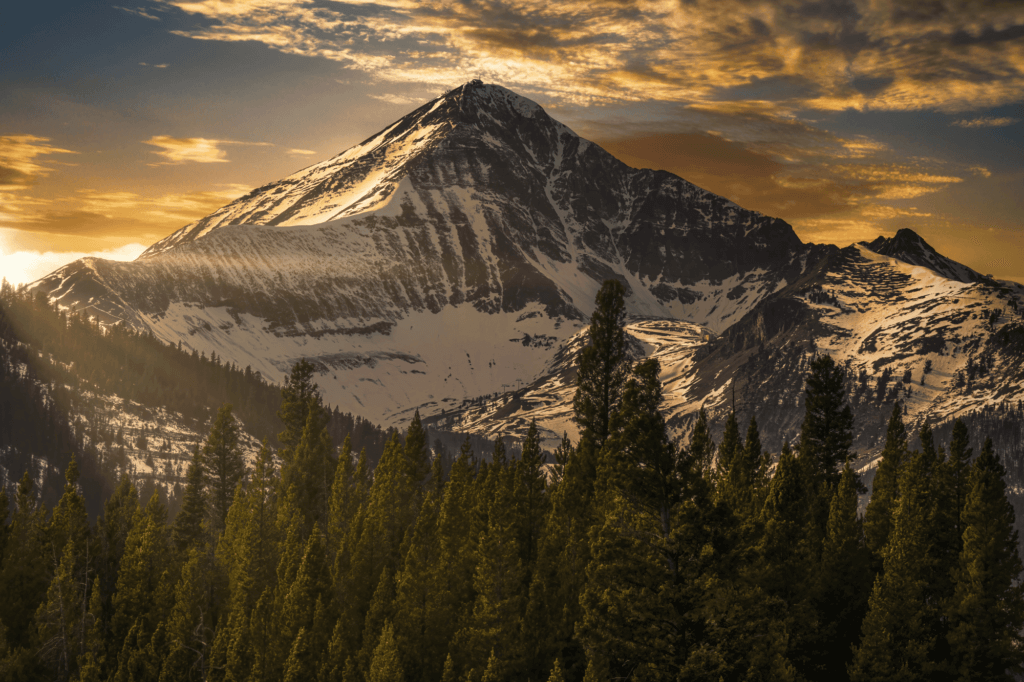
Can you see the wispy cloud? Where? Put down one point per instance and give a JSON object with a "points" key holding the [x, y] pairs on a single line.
{"points": [[301, 152], [910, 55], [986, 122], [179, 150], [20, 164], [155, 66], [139, 12]]}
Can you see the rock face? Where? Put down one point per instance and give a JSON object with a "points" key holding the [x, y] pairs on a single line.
{"points": [[441, 259], [450, 264]]}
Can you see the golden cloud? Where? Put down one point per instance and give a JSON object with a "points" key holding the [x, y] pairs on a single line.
{"points": [[986, 122], [18, 159], [179, 150], [913, 54]]}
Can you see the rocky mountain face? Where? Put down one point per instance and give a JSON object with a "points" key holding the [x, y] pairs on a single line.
{"points": [[443, 259], [450, 264]]}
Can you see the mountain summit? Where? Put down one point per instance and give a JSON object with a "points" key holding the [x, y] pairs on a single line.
{"points": [[455, 255]]}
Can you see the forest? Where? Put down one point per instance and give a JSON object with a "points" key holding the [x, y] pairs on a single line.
{"points": [[629, 556], [52, 359]]}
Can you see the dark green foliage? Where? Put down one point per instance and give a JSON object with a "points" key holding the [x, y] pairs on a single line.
{"points": [[223, 466], [188, 525], [988, 604], [885, 492], [628, 558], [603, 365], [827, 431]]}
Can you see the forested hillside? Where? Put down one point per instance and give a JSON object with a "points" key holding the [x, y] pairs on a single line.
{"points": [[58, 367], [629, 557]]}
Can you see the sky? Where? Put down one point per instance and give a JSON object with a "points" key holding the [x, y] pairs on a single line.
{"points": [[850, 119]]}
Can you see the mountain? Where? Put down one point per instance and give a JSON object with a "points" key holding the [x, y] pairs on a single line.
{"points": [[449, 264], [908, 247], [443, 259]]}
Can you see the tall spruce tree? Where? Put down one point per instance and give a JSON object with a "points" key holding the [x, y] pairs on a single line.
{"points": [[24, 578], [902, 631], [603, 367], [885, 493], [223, 465], [641, 578], [987, 611], [960, 455], [188, 528], [827, 431]]}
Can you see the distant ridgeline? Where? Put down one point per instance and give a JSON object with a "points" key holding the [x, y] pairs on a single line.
{"points": [[55, 367], [630, 557]]}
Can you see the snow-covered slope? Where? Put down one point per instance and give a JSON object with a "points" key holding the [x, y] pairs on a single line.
{"points": [[443, 259]]}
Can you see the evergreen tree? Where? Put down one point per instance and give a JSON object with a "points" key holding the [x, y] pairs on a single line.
{"points": [[386, 665], [308, 471], [988, 606], [742, 484], [960, 467], [24, 577], [188, 525], [885, 492], [190, 624], [787, 553], [70, 522], [417, 454], [143, 594], [653, 548], [844, 583], [902, 629], [827, 431], [702, 448], [602, 371], [59, 618], [223, 465], [299, 397]]}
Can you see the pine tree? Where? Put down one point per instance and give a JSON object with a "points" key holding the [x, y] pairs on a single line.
{"points": [[742, 485], [902, 626], [308, 471], [143, 594], [556, 673], [59, 618], [418, 618], [987, 611], [885, 492], [844, 583], [386, 665], [730, 449], [960, 467], [190, 624], [653, 547], [223, 465], [603, 367], [299, 397], [702, 448], [188, 525], [531, 498], [417, 454], [786, 550], [24, 577], [500, 587], [70, 522], [827, 431]]}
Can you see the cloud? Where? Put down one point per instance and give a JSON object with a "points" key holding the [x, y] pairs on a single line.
{"points": [[139, 12], [300, 152], [155, 66], [93, 213], [24, 267], [178, 150], [18, 159], [827, 55], [985, 122]]}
